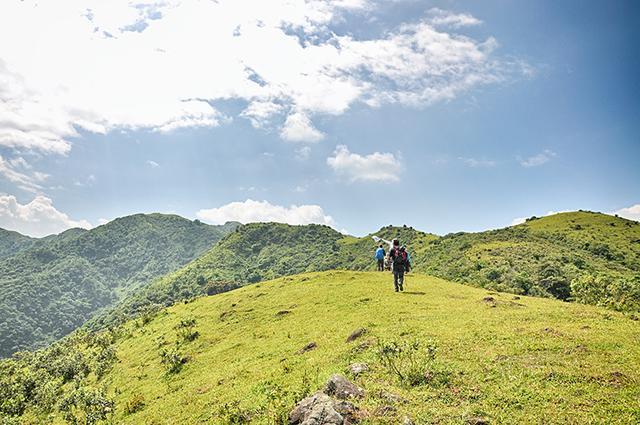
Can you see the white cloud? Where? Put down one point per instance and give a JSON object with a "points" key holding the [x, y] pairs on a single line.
{"points": [[251, 211], [303, 153], [382, 167], [19, 172], [439, 17], [539, 159], [298, 128], [476, 163], [280, 57], [631, 213], [37, 218], [152, 164]]}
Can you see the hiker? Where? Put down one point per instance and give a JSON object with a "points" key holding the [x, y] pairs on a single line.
{"points": [[400, 264], [380, 254]]}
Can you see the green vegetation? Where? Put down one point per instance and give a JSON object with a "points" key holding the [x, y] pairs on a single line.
{"points": [[438, 353], [256, 252], [551, 257], [64, 380], [546, 257], [54, 285], [13, 242]]}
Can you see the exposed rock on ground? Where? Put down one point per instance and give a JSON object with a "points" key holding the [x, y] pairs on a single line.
{"points": [[340, 387], [323, 409], [358, 368], [356, 334]]}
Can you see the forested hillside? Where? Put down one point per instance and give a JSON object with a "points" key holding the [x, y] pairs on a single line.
{"points": [[13, 242], [587, 257], [58, 282]]}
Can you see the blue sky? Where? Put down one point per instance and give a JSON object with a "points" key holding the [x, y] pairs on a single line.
{"points": [[444, 115]]}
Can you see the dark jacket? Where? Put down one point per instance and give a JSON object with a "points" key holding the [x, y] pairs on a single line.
{"points": [[399, 259]]}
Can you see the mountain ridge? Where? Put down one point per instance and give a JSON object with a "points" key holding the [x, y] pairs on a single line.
{"points": [[58, 282]]}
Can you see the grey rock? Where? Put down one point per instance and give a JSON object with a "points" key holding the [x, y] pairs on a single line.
{"points": [[340, 387], [358, 368], [317, 409]]}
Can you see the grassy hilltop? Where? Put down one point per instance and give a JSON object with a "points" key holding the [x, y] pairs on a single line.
{"points": [[237, 356], [587, 257]]}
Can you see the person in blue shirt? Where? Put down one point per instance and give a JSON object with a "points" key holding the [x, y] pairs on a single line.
{"points": [[380, 257]]}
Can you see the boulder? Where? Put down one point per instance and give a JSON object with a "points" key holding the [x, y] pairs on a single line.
{"points": [[320, 409], [341, 388]]}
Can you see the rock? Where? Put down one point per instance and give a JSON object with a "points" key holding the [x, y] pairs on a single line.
{"points": [[358, 368], [310, 346], [488, 299], [356, 334], [407, 421], [348, 411], [516, 297], [317, 409], [340, 387]]}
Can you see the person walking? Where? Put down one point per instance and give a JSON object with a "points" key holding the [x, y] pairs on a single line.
{"points": [[400, 264], [380, 253]]}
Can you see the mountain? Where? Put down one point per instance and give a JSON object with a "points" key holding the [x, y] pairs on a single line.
{"points": [[438, 353], [13, 242], [256, 252], [583, 256], [53, 286], [587, 257]]}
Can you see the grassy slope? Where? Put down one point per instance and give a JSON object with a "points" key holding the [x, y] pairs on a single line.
{"points": [[526, 361], [60, 281], [255, 252], [515, 256]]}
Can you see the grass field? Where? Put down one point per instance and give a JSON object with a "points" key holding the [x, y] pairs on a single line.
{"points": [[526, 360]]}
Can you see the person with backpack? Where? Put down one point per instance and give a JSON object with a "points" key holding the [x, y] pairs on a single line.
{"points": [[379, 256], [400, 262]]}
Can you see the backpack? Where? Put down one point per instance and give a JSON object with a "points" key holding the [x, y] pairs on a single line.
{"points": [[379, 254], [399, 257]]}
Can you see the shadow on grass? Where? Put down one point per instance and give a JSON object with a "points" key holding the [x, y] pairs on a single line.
{"points": [[414, 293]]}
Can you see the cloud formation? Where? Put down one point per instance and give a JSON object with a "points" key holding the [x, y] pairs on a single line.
{"points": [[161, 65], [476, 163], [539, 159], [631, 213], [439, 17], [380, 167], [251, 211], [19, 172], [37, 218]]}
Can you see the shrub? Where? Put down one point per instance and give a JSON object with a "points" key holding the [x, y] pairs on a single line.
{"points": [[186, 330], [619, 294], [493, 274], [552, 279], [135, 404], [173, 360], [411, 362]]}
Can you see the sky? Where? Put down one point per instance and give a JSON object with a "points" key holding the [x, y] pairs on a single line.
{"points": [[443, 115]]}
